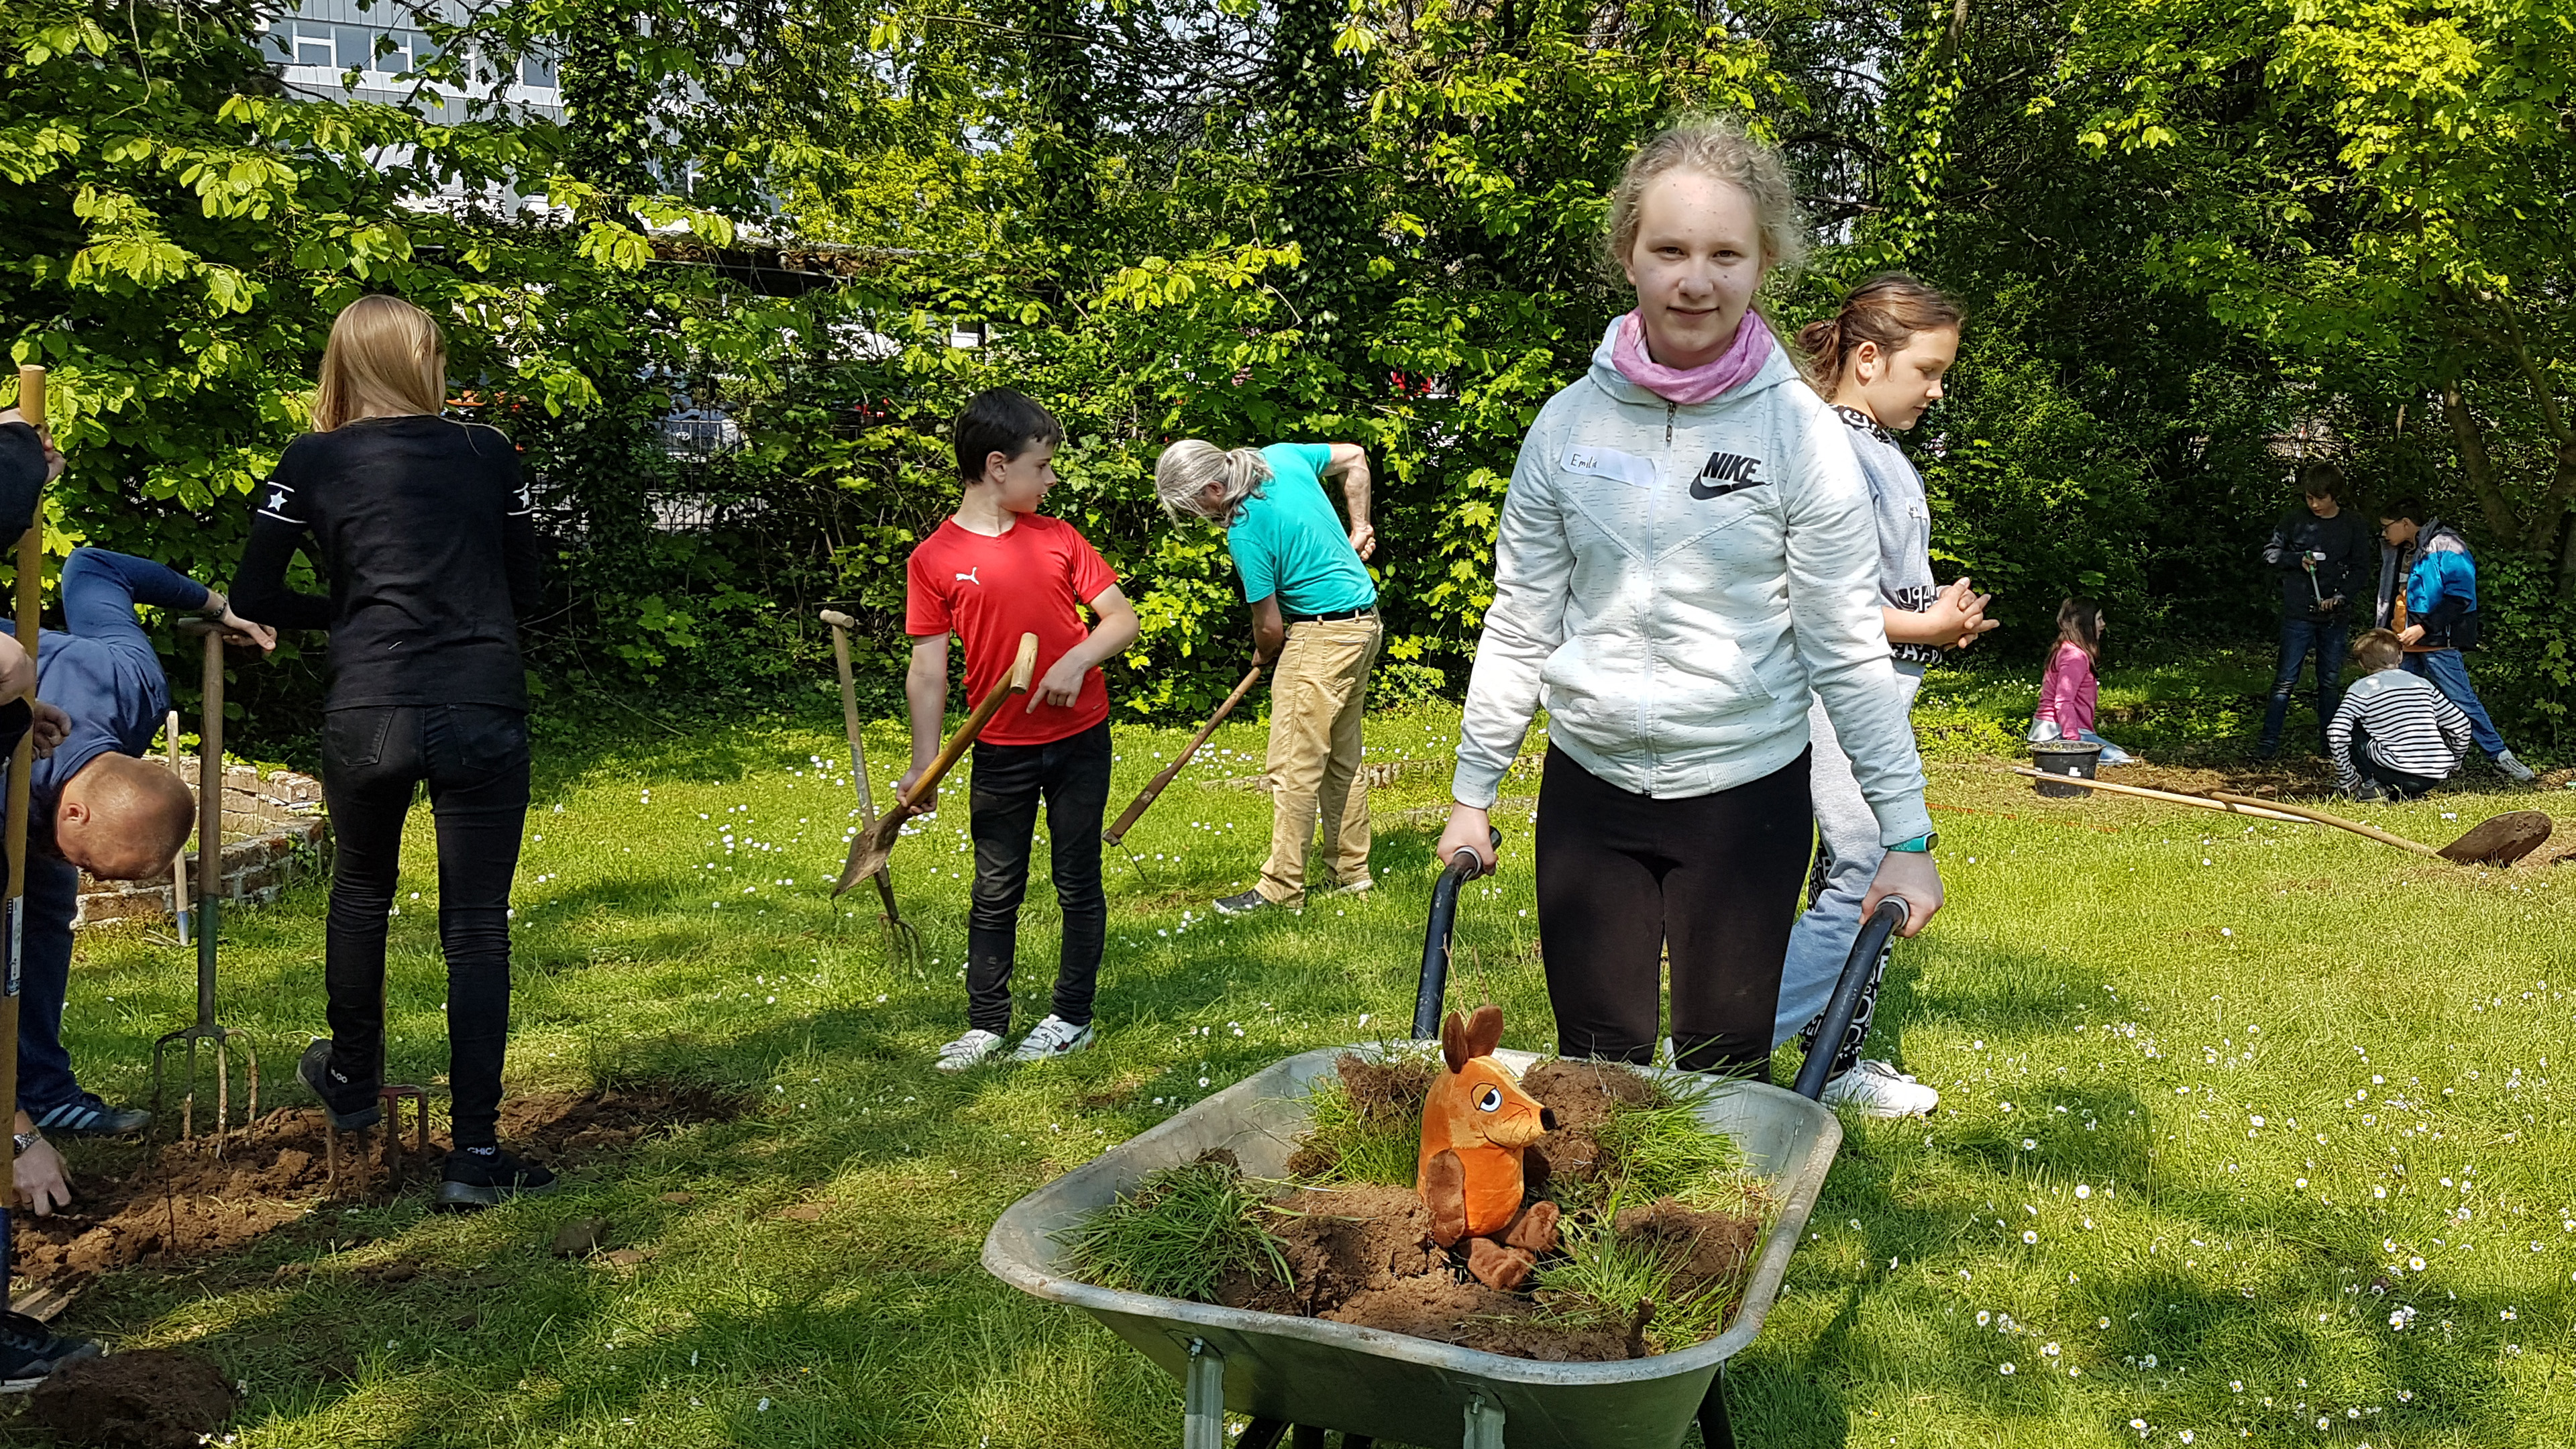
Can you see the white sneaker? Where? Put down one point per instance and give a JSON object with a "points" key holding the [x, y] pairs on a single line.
{"points": [[971, 1050], [1053, 1037], [1878, 1089]]}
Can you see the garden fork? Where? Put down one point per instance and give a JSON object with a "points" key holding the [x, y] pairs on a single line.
{"points": [[206, 1031]]}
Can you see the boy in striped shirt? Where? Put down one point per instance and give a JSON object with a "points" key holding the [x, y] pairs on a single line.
{"points": [[2394, 736]]}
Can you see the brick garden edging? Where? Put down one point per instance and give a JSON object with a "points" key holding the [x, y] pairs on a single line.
{"points": [[274, 833]]}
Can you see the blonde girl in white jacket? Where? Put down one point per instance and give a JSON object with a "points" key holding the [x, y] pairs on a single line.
{"points": [[1687, 550]]}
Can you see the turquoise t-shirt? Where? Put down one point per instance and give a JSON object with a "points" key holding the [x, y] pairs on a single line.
{"points": [[1288, 540]]}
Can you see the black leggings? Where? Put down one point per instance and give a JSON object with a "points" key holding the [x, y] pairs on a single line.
{"points": [[475, 760], [1712, 881], [1072, 776]]}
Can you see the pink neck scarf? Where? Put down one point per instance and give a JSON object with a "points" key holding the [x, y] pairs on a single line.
{"points": [[1733, 368]]}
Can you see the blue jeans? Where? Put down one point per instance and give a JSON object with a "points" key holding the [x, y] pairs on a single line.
{"points": [[2450, 674], [2299, 638]]}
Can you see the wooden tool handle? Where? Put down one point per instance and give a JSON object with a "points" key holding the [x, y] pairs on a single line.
{"points": [[31, 399], [2201, 802], [2322, 818], [1145, 798], [1023, 670], [839, 620]]}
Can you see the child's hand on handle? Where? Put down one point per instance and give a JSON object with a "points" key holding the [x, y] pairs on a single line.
{"points": [[903, 790], [2411, 634], [1469, 829], [1911, 877]]}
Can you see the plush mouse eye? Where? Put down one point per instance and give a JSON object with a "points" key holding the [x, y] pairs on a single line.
{"points": [[1490, 1099]]}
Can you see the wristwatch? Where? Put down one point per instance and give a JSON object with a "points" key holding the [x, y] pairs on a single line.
{"points": [[25, 1141], [1919, 845]]}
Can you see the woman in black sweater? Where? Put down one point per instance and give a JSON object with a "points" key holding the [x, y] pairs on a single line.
{"points": [[421, 525]]}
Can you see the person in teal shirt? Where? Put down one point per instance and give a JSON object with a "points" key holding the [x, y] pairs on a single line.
{"points": [[1314, 611]]}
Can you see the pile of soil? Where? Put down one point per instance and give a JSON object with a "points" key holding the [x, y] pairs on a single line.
{"points": [[151, 1398], [1362, 1254], [1583, 1095], [209, 1195]]}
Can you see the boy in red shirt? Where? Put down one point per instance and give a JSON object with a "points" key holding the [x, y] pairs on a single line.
{"points": [[998, 569]]}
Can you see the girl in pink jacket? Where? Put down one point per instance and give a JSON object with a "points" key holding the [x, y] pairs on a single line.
{"points": [[2068, 690]]}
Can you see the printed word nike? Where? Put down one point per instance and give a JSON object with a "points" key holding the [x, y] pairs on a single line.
{"points": [[1724, 474]]}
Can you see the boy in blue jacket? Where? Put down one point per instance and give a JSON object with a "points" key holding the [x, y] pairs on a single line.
{"points": [[2437, 615]]}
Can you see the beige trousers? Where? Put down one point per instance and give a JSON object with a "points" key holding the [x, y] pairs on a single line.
{"points": [[1317, 691]]}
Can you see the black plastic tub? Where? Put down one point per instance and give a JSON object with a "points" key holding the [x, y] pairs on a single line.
{"points": [[2073, 759]]}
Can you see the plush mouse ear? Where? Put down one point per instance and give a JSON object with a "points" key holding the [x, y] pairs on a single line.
{"points": [[1484, 1031], [1453, 1043]]}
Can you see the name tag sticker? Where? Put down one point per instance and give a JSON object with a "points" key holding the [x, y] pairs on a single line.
{"points": [[1626, 468]]}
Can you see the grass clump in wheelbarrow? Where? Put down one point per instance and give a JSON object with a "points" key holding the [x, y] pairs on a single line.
{"points": [[1180, 1232], [1662, 1219]]}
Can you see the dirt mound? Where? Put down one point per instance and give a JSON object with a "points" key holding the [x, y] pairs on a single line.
{"points": [[1709, 1248], [201, 1197], [1471, 1315], [1385, 1091], [148, 1399], [1583, 1095], [1338, 1242]]}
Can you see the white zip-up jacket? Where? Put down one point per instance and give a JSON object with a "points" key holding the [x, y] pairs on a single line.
{"points": [[1672, 582]]}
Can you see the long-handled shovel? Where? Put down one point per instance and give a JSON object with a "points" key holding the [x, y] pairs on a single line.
{"points": [[22, 764], [907, 941], [870, 848], [2500, 840], [1153, 790], [206, 1031]]}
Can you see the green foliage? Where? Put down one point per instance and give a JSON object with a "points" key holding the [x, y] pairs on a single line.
{"points": [[1179, 1234]]}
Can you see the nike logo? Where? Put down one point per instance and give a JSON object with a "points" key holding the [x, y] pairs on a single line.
{"points": [[968, 577], [1725, 473]]}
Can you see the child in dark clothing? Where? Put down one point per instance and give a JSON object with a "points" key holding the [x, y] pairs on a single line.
{"points": [[422, 526], [2319, 552]]}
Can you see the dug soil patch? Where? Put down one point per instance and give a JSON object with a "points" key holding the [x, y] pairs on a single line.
{"points": [[151, 1398], [203, 1197]]}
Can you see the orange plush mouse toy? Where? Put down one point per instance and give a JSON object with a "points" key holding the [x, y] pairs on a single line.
{"points": [[1474, 1128]]}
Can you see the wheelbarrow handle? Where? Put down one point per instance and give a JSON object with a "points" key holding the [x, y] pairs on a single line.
{"points": [[1434, 982], [1875, 933]]}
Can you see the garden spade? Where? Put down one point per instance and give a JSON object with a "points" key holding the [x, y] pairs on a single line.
{"points": [[870, 848], [1153, 790], [206, 1031], [907, 940], [2499, 840]]}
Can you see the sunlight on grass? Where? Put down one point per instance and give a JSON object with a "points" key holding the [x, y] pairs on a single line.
{"points": [[2243, 1128]]}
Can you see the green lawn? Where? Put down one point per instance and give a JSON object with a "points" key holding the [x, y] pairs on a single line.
{"points": [[2218, 1101]]}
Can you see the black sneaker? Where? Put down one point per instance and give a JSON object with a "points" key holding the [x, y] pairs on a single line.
{"points": [[485, 1178], [2371, 792], [1243, 904], [29, 1352], [87, 1116], [350, 1105]]}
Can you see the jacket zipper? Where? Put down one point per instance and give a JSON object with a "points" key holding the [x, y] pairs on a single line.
{"points": [[1670, 408]]}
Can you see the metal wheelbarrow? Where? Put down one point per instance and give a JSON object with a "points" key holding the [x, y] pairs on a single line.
{"points": [[1303, 1376]]}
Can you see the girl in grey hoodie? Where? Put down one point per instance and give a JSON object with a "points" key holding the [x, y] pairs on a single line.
{"points": [[1687, 550]]}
